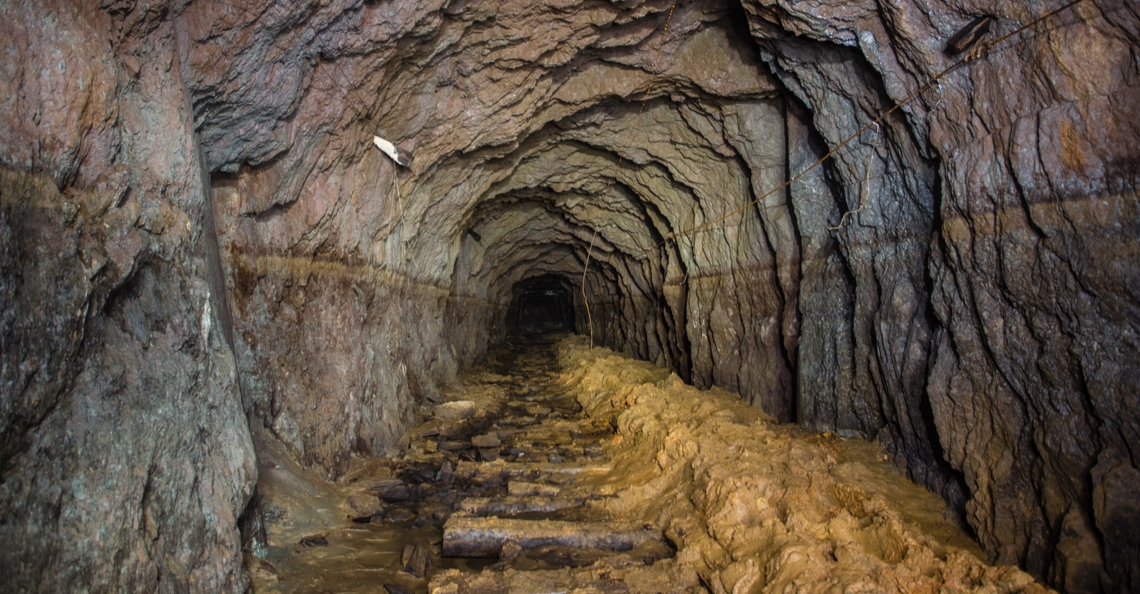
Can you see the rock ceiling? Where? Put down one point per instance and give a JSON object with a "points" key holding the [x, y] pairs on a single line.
{"points": [[197, 227]]}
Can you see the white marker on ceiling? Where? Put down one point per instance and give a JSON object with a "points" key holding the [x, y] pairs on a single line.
{"points": [[400, 157]]}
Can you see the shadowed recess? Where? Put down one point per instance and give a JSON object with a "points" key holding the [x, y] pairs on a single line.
{"points": [[913, 223]]}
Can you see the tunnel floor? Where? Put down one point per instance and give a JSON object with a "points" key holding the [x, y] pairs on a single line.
{"points": [[559, 468]]}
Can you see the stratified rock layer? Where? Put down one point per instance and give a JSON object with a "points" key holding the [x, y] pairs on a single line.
{"points": [[993, 269], [957, 282]]}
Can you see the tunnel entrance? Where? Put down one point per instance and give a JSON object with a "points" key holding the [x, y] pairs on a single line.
{"points": [[541, 305]]}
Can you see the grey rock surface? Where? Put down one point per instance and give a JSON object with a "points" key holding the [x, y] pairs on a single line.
{"points": [[125, 455], [193, 214], [992, 264]]}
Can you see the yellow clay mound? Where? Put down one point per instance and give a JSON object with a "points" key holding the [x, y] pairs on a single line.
{"points": [[757, 507]]}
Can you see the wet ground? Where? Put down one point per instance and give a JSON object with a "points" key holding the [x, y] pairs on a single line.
{"points": [[506, 470], [559, 468]]}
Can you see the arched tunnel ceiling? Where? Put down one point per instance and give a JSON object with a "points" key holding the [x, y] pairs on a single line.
{"points": [[623, 136], [548, 128], [556, 130], [588, 91], [957, 282], [621, 158]]}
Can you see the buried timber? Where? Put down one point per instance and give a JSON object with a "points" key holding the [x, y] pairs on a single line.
{"points": [[559, 468]]}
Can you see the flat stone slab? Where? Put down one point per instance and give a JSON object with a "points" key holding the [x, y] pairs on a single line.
{"points": [[454, 411], [516, 421], [486, 441], [391, 489], [484, 537]]}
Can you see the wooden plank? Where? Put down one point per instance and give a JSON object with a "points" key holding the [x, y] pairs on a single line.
{"points": [[516, 468], [487, 506], [484, 537], [521, 488]]}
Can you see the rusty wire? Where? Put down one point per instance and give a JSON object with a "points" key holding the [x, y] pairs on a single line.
{"points": [[933, 81], [586, 266], [589, 317]]}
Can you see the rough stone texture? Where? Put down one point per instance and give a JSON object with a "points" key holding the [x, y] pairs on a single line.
{"points": [[977, 315], [994, 320], [124, 450], [528, 129]]}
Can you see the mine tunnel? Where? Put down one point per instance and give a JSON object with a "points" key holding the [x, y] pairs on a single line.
{"points": [[541, 305], [543, 296]]}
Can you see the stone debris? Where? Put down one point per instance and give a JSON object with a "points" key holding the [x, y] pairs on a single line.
{"points": [[391, 490], [662, 488], [314, 540], [362, 504], [754, 506], [520, 488], [510, 550], [444, 474], [431, 428], [415, 559], [486, 441], [455, 411]]}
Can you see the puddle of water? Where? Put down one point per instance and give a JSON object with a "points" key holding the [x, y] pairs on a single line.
{"points": [[534, 422], [734, 492]]}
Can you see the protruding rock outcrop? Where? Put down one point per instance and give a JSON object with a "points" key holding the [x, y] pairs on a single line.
{"points": [[957, 282]]}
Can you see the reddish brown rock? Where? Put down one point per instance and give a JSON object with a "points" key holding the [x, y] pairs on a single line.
{"points": [[958, 282], [126, 454]]}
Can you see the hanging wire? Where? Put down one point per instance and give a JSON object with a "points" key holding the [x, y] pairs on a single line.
{"points": [[589, 252], [653, 68], [863, 194], [934, 80], [589, 318]]}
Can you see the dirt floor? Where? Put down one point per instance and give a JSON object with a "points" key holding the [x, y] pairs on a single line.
{"points": [[559, 468]]}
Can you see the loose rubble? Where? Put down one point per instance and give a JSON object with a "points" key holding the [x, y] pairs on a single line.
{"points": [[660, 487], [752, 506]]}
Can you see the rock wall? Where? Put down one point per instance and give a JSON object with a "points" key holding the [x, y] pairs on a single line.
{"points": [[358, 286], [990, 310], [125, 455], [974, 310]]}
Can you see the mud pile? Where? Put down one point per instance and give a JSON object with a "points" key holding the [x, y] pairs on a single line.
{"points": [[757, 507]]}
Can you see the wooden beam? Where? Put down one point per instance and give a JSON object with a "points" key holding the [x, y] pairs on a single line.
{"points": [[484, 537]]}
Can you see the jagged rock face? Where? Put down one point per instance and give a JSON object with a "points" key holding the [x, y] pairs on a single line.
{"points": [[976, 311], [992, 272], [124, 451], [530, 140]]}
